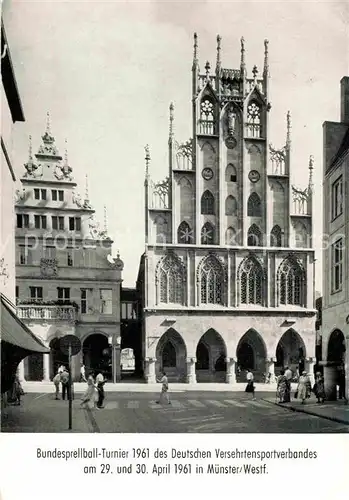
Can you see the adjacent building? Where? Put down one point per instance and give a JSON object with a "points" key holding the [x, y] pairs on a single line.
{"points": [[335, 307], [16, 340], [227, 276], [131, 333], [66, 280]]}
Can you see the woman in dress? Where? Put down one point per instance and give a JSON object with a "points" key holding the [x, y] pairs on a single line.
{"points": [[91, 392], [250, 388], [319, 388], [283, 388], [304, 387]]}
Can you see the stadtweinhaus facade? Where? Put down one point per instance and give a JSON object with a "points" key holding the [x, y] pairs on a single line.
{"points": [[227, 276]]}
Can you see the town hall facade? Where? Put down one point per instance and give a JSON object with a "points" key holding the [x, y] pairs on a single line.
{"points": [[227, 276]]}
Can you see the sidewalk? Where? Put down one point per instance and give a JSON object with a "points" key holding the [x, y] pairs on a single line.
{"points": [[337, 411], [38, 414], [47, 387]]}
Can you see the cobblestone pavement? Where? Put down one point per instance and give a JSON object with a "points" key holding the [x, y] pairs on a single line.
{"points": [[191, 412]]}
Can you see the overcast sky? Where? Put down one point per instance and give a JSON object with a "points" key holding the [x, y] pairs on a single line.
{"points": [[107, 71]]}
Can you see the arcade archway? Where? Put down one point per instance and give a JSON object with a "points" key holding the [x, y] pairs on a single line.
{"points": [[97, 354], [210, 358], [336, 348], [290, 352], [251, 354], [57, 357], [171, 354]]}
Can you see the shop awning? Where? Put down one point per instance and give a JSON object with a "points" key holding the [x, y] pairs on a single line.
{"points": [[15, 332]]}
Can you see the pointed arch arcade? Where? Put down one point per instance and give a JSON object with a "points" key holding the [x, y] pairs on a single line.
{"points": [[211, 353], [291, 351], [171, 355], [170, 279], [251, 354]]}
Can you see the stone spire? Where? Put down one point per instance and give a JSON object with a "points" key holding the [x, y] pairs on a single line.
{"points": [[266, 58], [171, 133], [208, 70], [242, 62], [87, 199], [195, 55], [218, 60], [147, 161], [288, 134], [105, 220], [311, 168]]}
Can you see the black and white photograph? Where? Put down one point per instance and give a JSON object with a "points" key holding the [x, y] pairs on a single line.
{"points": [[174, 217]]}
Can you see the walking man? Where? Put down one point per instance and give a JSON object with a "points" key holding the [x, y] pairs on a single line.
{"points": [[164, 397], [65, 384], [82, 374], [100, 381]]}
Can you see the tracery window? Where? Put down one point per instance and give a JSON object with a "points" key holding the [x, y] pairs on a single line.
{"points": [[230, 205], [211, 281], [291, 283], [251, 282], [207, 234], [276, 236], [254, 206], [254, 236], [207, 203], [253, 119], [171, 280], [185, 234], [206, 116]]}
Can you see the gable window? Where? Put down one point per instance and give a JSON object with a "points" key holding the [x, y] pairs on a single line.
{"points": [[35, 293], [337, 265], [337, 197], [74, 223], [23, 221], [106, 301]]}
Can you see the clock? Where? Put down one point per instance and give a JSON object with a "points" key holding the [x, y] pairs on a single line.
{"points": [[254, 176], [207, 174]]}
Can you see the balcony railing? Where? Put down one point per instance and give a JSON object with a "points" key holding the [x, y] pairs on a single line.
{"points": [[47, 313]]}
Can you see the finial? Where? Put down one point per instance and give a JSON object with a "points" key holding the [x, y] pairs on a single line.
{"points": [[30, 148], [195, 47], [255, 72], [48, 123], [66, 152], [218, 63], [171, 119], [147, 160], [207, 68], [266, 59], [105, 219], [86, 188], [311, 168], [288, 136], [242, 63], [118, 254], [311, 162]]}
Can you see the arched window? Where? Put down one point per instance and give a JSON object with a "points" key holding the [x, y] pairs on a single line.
{"points": [[185, 234], [254, 236], [251, 282], [207, 116], [231, 205], [171, 280], [211, 281], [291, 282], [254, 206], [253, 119], [207, 234], [207, 203], [230, 173], [230, 237], [276, 237]]}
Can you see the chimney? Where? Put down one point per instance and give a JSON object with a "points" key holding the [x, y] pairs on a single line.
{"points": [[345, 99]]}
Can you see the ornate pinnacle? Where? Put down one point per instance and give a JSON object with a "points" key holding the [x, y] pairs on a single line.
{"points": [[66, 152], [195, 55], [86, 190], [171, 119], [311, 162], [255, 72], [242, 63], [30, 149], [207, 68], [147, 160], [48, 123], [218, 63], [288, 136], [105, 220], [311, 167], [266, 59]]}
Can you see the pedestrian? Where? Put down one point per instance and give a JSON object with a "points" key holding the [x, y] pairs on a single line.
{"points": [[304, 387], [164, 397], [341, 382], [16, 392], [100, 381], [289, 377], [56, 381], [61, 369], [65, 381], [319, 388], [250, 388], [83, 373], [283, 388], [90, 394]]}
